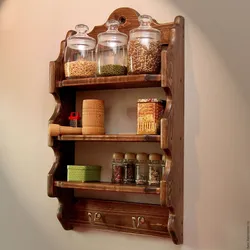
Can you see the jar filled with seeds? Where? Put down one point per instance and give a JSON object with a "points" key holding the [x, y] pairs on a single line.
{"points": [[144, 48], [129, 168], [79, 56], [111, 51], [117, 168], [141, 173], [155, 169]]}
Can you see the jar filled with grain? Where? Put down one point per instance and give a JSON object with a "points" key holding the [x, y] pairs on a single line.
{"points": [[117, 168], [144, 48], [129, 168], [155, 169], [79, 56], [111, 51], [141, 172]]}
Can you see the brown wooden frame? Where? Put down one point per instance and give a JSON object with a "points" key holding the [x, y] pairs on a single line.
{"points": [[159, 220]]}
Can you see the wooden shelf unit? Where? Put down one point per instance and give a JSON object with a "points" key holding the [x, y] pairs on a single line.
{"points": [[164, 220]]}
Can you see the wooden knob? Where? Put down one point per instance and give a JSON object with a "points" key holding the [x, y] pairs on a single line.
{"points": [[55, 130]]}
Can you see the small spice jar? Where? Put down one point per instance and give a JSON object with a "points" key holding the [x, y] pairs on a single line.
{"points": [[141, 173], [111, 51], [144, 48], [155, 169], [74, 119], [79, 56], [129, 168], [117, 168]]}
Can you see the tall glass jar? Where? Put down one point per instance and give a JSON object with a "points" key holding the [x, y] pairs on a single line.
{"points": [[155, 169], [117, 168], [129, 168], [144, 48], [111, 51], [141, 173], [79, 56]]}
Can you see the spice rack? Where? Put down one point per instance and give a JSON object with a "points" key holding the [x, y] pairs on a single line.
{"points": [[165, 220]]}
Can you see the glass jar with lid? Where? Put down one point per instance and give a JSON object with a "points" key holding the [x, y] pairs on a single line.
{"points": [[111, 51], [144, 48], [129, 168], [117, 168], [155, 169], [141, 173], [79, 56]]}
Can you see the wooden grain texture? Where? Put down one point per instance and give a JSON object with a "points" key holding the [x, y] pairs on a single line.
{"points": [[129, 18], [126, 217], [173, 84], [112, 82], [111, 138], [106, 186]]}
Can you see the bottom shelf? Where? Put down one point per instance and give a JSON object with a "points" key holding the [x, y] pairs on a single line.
{"points": [[119, 216], [106, 186]]}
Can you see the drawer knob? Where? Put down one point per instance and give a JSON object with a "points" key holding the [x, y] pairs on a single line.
{"points": [[97, 217], [141, 220], [90, 217], [134, 222]]}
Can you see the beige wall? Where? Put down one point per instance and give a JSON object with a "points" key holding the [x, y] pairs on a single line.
{"points": [[217, 121]]}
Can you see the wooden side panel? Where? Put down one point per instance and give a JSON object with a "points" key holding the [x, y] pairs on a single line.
{"points": [[64, 151], [173, 142]]}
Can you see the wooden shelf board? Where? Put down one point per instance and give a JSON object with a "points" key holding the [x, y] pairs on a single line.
{"points": [[111, 138], [113, 82], [106, 186]]}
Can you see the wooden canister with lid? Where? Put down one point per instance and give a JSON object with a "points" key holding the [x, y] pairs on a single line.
{"points": [[93, 117]]}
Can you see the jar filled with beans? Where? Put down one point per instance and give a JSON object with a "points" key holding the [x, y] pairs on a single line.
{"points": [[111, 51], [129, 168], [117, 168], [155, 169], [144, 48], [141, 173], [79, 56]]}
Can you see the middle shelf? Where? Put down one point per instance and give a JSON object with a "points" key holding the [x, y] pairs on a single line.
{"points": [[107, 186], [111, 138]]}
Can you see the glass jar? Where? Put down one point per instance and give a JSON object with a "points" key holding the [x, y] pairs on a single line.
{"points": [[111, 51], [155, 169], [117, 168], [79, 56], [144, 48], [129, 168], [141, 169]]}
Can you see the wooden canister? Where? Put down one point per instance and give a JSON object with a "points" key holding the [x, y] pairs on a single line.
{"points": [[93, 117]]}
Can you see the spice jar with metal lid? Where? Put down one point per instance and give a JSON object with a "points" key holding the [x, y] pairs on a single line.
{"points": [[141, 173], [144, 48], [79, 56], [117, 168], [111, 51], [155, 169], [129, 168]]}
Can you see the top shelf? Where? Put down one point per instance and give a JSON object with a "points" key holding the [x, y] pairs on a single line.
{"points": [[113, 82]]}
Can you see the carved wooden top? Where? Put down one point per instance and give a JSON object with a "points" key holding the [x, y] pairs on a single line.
{"points": [[128, 18]]}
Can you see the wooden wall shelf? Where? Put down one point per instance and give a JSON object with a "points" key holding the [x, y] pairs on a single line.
{"points": [[164, 220], [110, 138], [113, 82], [110, 187]]}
